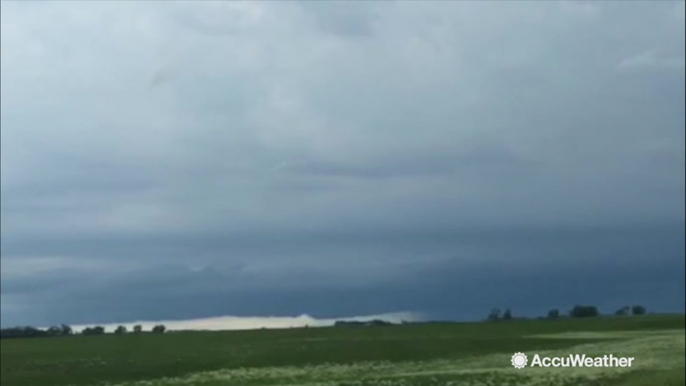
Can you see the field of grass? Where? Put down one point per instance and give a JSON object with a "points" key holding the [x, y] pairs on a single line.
{"points": [[416, 354]]}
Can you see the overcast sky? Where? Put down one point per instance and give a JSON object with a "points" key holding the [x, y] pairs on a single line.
{"points": [[171, 160]]}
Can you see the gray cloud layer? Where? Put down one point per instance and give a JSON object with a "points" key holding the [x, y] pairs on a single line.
{"points": [[181, 160]]}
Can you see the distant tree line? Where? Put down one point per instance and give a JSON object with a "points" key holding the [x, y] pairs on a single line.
{"points": [[354, 323], [65, 330], [33, 332], [578, 311]]}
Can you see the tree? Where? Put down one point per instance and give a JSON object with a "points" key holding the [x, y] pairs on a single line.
{"points": [[137, 329], [494, 315], [554, 314], [159, 329], [623, 311], [583, 311], [66, 330], [507, 315], [638, 310], [54, 331], [97, 330], [121, 330]]}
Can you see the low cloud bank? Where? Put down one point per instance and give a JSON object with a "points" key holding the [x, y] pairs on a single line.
{"points": [[256, 322]]}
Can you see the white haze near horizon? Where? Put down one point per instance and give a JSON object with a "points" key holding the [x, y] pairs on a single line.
{"points": [[255, 322]]}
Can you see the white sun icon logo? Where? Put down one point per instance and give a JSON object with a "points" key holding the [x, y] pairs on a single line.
{"points": [[519, 360]]}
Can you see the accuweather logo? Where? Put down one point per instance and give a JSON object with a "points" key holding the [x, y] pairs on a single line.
{"points": [[520, 360]]}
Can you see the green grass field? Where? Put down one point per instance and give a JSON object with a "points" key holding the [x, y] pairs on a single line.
{"points": [[416, 354]]}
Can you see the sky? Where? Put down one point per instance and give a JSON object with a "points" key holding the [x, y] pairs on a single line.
{"points": [[320, 160]]}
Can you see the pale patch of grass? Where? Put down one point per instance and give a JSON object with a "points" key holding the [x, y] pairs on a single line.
{"points": [[654, 351]]}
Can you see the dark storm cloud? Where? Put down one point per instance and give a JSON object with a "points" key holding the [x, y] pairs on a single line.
{"points": [[185, 160], [456, 276]]}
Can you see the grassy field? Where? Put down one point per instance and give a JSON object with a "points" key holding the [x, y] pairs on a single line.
{"points": [[416, 354]]}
